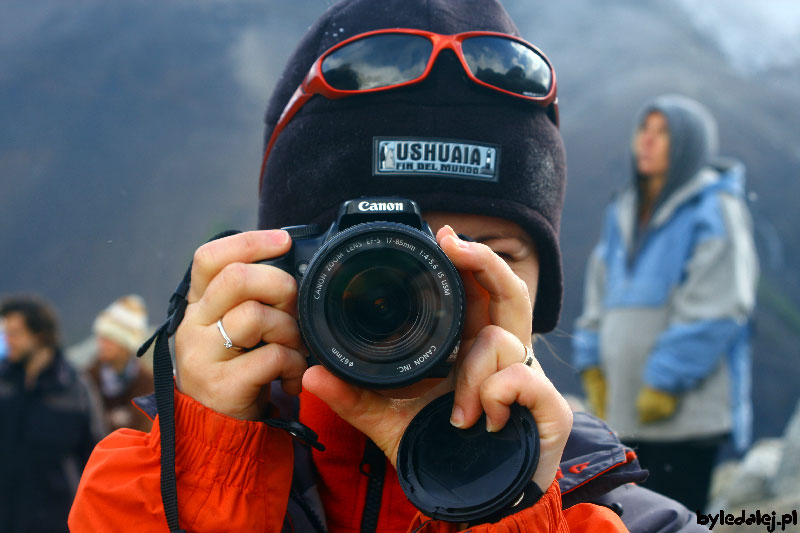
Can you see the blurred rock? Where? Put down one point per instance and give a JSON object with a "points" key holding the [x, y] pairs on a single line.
{"points": [[749, 479], [766, 481], [787, 478], [721, 478]]}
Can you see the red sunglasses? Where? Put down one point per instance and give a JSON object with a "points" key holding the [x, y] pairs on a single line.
{"points": [[388, 59]]}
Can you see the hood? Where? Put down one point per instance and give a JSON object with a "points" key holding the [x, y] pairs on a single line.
{"points": [[692, 139]]}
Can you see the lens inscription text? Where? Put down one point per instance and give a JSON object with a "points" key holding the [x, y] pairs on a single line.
{"points": [[400, 243], [344, 360], [318, 287]]}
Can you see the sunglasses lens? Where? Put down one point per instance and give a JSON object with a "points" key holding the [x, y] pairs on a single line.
{"points": [[377, 61], [508, 65]]}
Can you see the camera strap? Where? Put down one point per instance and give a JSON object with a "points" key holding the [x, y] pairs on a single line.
{"points": [[373, 465], [163, 384]]}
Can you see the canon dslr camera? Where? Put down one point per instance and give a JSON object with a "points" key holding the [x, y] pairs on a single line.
{"points": [[379, 303]]}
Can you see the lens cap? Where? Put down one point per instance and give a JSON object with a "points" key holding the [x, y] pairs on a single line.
{"points": [[460, 475]]}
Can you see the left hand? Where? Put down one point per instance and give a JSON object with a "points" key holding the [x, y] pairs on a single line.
{"points": [[654, 405], [488, 377]]}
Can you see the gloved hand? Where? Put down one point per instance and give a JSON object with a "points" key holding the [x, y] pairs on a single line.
{"points": [[594, 384], [654, 404]]}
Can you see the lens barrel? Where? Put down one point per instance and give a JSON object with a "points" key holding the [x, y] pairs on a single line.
{"points": [[381, 305]]}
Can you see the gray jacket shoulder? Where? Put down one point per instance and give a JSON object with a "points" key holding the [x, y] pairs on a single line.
{"points": [[645, 511]]}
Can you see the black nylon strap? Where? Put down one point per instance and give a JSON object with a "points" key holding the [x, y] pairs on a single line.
{"points": [[375, 460], [163, 383], [165, 400], [299, 431]]}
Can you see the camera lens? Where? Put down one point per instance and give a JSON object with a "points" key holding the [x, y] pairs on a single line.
{"points": [[381, 305]]}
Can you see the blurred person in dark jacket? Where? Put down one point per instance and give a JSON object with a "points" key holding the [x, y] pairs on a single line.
{"points": [[120, 376], [50, 420]]}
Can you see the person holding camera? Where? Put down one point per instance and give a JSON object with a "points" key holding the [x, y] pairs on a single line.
{"points": [[436, 102]]}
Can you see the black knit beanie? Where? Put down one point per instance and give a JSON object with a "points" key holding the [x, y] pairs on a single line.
{"points": [[336, 150]]}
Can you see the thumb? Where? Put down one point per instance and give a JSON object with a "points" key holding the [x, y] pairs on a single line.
{"points": [[381, 419]]}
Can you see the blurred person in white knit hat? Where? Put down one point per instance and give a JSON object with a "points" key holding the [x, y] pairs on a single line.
{"points": [[120, 376]]}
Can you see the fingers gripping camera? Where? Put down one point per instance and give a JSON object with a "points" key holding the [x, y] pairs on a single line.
{"points": [[379, 303]]}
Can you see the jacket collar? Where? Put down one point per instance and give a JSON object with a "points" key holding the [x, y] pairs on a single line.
{"points": [[683, 194], [627, 204]]}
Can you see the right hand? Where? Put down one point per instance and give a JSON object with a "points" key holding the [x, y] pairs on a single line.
{"points": [[256, 303], [594, 384], [488, 377]]}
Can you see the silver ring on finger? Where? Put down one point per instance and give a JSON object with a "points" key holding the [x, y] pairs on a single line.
{"points": [[529, 357], [228, 342]]}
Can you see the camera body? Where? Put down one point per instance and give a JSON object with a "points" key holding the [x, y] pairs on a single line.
{"points": [[379, 303]]}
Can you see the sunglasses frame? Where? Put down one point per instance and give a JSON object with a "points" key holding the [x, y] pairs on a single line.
{"points": [[314, 81]]}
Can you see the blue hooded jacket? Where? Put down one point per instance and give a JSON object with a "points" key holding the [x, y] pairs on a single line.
{"points": [[669, 305]]}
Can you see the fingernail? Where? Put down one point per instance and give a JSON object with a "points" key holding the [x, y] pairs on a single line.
{"points": [[489, 426], [457, 417], [279, 237], [458, 242]]}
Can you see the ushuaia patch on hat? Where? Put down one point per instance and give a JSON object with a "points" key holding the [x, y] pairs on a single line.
{"points": [[413, 156]]}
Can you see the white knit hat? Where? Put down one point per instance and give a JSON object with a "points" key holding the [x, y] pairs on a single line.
{"points": [[124, 322]]}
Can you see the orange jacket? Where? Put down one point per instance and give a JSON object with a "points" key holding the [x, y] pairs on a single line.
{"points": [[235, 475]]}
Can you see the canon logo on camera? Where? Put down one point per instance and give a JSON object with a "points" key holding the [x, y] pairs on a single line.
{"points": [[380, 206]]}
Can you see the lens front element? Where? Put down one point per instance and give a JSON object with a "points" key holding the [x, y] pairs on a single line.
{"points": [[381, 305], [376, 304]]}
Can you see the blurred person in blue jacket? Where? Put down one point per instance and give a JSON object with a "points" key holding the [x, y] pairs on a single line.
{"points": [[663, 343]]}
